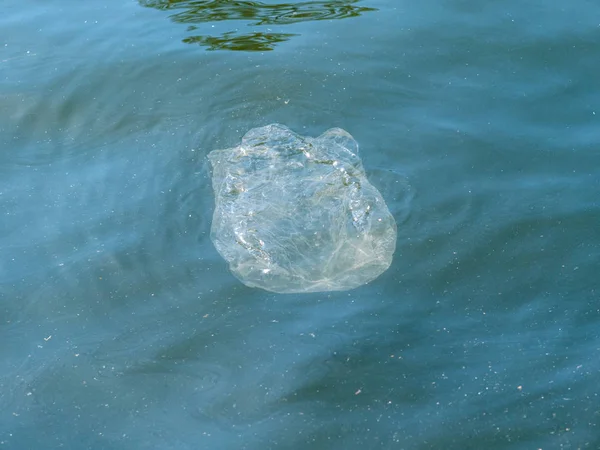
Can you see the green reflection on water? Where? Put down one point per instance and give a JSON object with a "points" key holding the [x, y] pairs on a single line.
{"points": [[240, 42], [256, 14]]}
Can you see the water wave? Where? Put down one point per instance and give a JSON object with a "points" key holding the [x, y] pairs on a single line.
{"points": [[255, 14]]}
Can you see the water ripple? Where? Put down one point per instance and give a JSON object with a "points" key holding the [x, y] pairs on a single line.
{"points": [[255, 14]]}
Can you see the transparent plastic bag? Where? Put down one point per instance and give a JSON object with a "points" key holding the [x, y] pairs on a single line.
{"points": [[297, 214]]}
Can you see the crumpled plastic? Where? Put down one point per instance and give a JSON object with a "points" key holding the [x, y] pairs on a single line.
{"points": [[296, 214]]}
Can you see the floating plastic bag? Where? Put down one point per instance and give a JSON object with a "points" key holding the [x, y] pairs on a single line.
{"points": [[297, 214]]}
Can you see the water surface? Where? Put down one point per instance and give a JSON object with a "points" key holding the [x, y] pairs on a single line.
{"points": [[120, 326]]}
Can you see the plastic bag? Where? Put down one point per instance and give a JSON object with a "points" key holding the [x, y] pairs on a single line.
{"points": [[297, 214]]}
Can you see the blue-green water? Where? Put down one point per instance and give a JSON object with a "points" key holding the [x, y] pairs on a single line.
{"points": [[120, 325]]}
